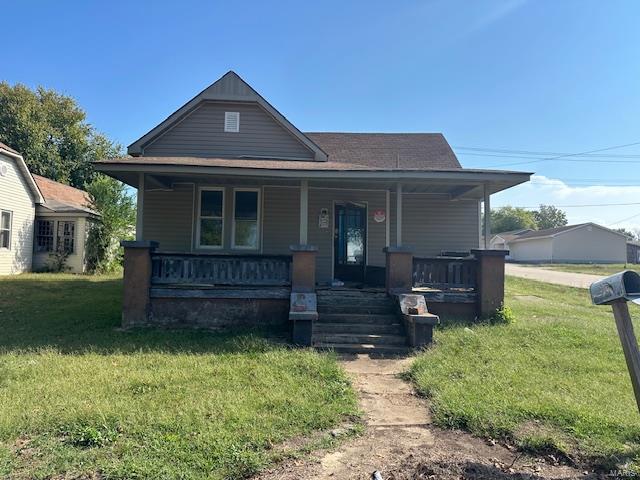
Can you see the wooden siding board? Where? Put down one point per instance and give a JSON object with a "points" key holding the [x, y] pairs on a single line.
{"points": [[168, 218], [201, 133], [281, 219], [431, 224], [16, 197]]}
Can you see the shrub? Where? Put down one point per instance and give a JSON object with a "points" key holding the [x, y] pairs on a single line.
{"points": [[504, 315]]}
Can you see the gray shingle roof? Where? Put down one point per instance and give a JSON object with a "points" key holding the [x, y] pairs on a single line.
{"points": [[424, 151]]}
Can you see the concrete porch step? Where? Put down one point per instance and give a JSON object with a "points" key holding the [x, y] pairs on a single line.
{"points": [[367, 339], [357, 318], [388, 308], [382, 350], [358, 328]]}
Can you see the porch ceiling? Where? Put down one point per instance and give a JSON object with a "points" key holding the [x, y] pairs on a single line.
{"points": [[457, 184]]}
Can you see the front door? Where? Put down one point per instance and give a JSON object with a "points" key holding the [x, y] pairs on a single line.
{"points": [[350, 240]]}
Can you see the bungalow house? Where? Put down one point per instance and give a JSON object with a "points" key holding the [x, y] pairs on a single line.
{"points": [[237, 208], [581, 243], [38, 216]]}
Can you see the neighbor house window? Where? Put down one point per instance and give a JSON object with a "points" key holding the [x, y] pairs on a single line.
{"points": [[211, 218], [245, 218], [66, 236], [5, 229], [44, 235]]}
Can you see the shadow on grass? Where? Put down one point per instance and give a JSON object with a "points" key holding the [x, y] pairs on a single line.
{"points": [[81, 314]]}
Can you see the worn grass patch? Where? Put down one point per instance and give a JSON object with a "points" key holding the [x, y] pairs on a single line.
{"points": [[554, 380], [79, 398]]}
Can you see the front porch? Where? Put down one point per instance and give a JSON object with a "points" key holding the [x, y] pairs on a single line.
{"points": [[225, 251]]}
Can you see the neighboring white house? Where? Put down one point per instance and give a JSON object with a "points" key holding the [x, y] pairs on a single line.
{"points": [[582, 243], [37, 216], [18, 198], [62, 221]]}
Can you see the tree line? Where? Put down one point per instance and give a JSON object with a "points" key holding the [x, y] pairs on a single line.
{"points": [[506, 219], [51, 132]]}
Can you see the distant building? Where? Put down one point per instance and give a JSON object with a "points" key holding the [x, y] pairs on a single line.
{"points": [[582, 243]]}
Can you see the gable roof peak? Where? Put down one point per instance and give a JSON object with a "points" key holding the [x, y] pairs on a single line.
{"points": [[230, 87]]}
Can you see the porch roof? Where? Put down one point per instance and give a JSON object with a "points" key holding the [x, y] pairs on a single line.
{"points": [[457, 182]]}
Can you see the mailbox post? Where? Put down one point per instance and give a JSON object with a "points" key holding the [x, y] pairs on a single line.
{"points": [[616, 290]]}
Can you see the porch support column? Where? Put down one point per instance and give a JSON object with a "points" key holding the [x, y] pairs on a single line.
{"points": [[137, 282], [399, 214], [487, 217], [304, 211], [399, 270], [489, 280], [140, 207]]}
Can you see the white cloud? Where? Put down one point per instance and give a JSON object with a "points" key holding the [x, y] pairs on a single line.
{"points": [[550, 191]]}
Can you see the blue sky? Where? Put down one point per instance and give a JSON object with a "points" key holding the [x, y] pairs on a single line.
{"points": [[537, 75]]}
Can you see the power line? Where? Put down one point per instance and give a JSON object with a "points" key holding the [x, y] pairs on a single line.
{"points": [[623, 220], [564, 159], [532, 152], [575, 159], [585, 205]]}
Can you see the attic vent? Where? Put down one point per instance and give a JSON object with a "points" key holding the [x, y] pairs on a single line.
{"points": [[3, 170], [231, 121]]}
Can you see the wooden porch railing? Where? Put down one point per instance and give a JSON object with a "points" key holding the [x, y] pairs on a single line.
{"points": [[268, 270], [445, 273]]}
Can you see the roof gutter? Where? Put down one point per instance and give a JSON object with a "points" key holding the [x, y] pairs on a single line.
{"points": [[328, 174]]}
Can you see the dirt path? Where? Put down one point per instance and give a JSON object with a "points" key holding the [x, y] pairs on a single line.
{"points": [[401, 443], [579, 280]]}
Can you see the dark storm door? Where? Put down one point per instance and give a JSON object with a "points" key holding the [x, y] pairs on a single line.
{"points": [[350, 242]]}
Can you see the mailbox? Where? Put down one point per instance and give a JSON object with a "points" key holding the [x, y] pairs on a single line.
{"points": [[621, 286]]}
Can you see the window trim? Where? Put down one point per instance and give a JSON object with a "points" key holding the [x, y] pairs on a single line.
{"points": [[54, 231], [10, 212], [59, 238], [199, 218], [258, 219]]}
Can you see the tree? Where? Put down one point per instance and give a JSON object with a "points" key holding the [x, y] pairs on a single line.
{"points": [[51, 132], [549, 216], [509, 218], [118, 212], [628, 233]]}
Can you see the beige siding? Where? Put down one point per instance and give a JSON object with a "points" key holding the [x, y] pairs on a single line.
{"points": [[15, 196], [168, 218], [534, 250], [589, 244], [323, 238], [281, 219], [431, 224], [76, 262], [201, 133]]}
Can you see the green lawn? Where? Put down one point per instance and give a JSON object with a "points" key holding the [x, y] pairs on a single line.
{"points": [[594, 269], [78, 397], [556, 379]]}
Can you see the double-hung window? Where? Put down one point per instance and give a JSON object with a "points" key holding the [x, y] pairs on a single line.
{"points": [[66, 236], [5, 229], [210, 218], [246, 209], [44, 235]]}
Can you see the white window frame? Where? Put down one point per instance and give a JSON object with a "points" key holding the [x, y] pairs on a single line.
{"points": [[258, 219], [60, 238], [10, 227], [199, 217]]}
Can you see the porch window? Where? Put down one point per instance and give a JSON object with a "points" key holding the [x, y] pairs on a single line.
{"points": [[5, 229], [211, 218], [245, 218], [44, 235], [66, 236]]}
